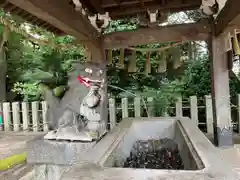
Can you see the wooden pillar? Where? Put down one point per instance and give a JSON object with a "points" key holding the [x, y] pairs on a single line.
{"points": [[220, 92], [104, 109], [104, 113]]}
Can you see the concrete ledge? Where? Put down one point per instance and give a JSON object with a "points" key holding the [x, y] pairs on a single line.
{"points": [[44, 151]]}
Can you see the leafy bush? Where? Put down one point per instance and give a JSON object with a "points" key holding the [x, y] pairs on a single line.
{"points": [[28, 91]]}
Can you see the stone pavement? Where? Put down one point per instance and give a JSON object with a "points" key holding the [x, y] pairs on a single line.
{"points": [[232, 156], [14, 143]]}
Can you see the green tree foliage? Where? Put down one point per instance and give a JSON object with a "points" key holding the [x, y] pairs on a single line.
{"points": [[197, 78], [48, 65]]}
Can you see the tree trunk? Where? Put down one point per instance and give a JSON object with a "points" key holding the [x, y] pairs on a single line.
{"points": [[190, 51], [194, 50], [3, 71], [3, 64]]}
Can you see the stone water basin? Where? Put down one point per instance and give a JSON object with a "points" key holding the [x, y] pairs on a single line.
{"points": [[201, 160], [145, 133]]}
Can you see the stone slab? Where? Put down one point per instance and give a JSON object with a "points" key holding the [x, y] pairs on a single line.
{"points": [[232, 156], [44, 151], [12, 143], [16, 172]]}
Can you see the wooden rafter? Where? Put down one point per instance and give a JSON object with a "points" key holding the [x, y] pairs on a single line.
{"points": [[11, 8], [142, 4], [48, 42], [128, 9], [119, 9], [63, 16], [107, 3], [229, 16], [97, 6], [170, 33], [118, 2]]}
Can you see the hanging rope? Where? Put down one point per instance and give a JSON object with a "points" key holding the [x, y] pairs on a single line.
{"points": [[155, 49]]}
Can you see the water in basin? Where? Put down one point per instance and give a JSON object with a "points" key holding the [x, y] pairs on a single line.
{"points": [[155, 144]]}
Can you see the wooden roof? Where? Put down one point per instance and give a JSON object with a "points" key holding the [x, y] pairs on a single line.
{"points": [[117, 9], [11, 8]]}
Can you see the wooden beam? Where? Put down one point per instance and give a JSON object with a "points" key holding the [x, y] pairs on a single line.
{"points": [[134, 12], [133, 3], [97, 6], [2, 1], [63, 16], [118, 2], [170, 33], [229, 16], [112, 3], [171, 6]]}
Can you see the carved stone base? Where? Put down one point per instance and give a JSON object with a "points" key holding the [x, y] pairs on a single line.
{"points": [[42, 151], [71, 133]]}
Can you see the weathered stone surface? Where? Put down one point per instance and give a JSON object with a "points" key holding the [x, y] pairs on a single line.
{"points": [[12, 143], [56, 152]]}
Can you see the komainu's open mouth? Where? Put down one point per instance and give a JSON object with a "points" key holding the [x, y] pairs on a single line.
{"points": [[88, 82]]}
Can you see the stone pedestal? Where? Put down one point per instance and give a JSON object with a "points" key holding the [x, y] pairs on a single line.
{"points": [[51, 158], [41, 151]]}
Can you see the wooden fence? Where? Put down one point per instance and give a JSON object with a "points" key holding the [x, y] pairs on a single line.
{"points": [[24, 116]]}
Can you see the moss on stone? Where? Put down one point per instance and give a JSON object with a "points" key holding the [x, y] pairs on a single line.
{"points": [[11, 161]]}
